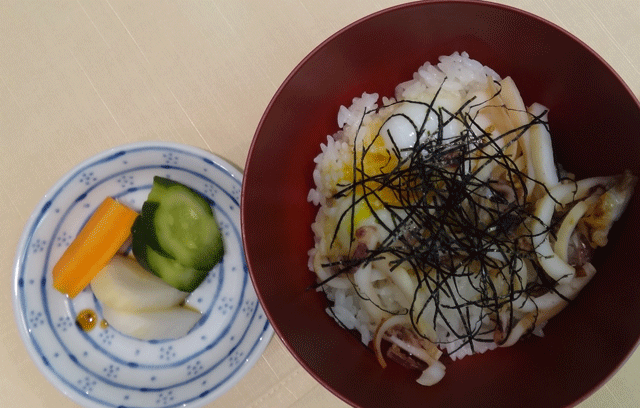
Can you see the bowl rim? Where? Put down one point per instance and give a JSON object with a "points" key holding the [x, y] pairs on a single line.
{"points": [[248, 170]]}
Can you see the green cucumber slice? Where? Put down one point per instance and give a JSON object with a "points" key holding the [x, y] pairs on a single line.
{"points": [[139, 243], [186, 229], [181, 277], [159, 189], [177, 231], [143, 231]]}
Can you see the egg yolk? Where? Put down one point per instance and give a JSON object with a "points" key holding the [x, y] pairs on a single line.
{"points": [[376, 160]]}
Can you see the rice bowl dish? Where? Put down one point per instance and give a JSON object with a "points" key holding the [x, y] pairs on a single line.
{"points": [[445, 228]]}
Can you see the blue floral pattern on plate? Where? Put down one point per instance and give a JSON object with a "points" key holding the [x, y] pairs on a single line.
{"points": [[102, 367]]}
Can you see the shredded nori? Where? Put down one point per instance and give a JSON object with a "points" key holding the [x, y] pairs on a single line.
{"points": [[446, 220]]}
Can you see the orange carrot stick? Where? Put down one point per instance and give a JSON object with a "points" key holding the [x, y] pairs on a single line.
{"points": [[98, 241]]}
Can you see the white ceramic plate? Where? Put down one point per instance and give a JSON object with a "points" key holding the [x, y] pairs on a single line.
{"points": [[102, 367]]}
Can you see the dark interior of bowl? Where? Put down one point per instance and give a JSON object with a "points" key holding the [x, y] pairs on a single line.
{"points": [[594, 123]]}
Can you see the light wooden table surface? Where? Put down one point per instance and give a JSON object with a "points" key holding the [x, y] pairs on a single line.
{"points": [[79, 77]]}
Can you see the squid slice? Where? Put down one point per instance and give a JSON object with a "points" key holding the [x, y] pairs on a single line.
{"points": [[609, 208], [432, 375], [500, 117], [520, 118], [338, 282], [541, 151], [549, 305], [436, 370], [381, 330], [561, 247], [560, 195], [362, 278], [416, 352]]}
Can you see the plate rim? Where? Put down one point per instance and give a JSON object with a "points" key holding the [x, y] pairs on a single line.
{"points": [[30, 226]]}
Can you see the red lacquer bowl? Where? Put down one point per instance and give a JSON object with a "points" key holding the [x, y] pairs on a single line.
{"points": [[594, 120]]}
